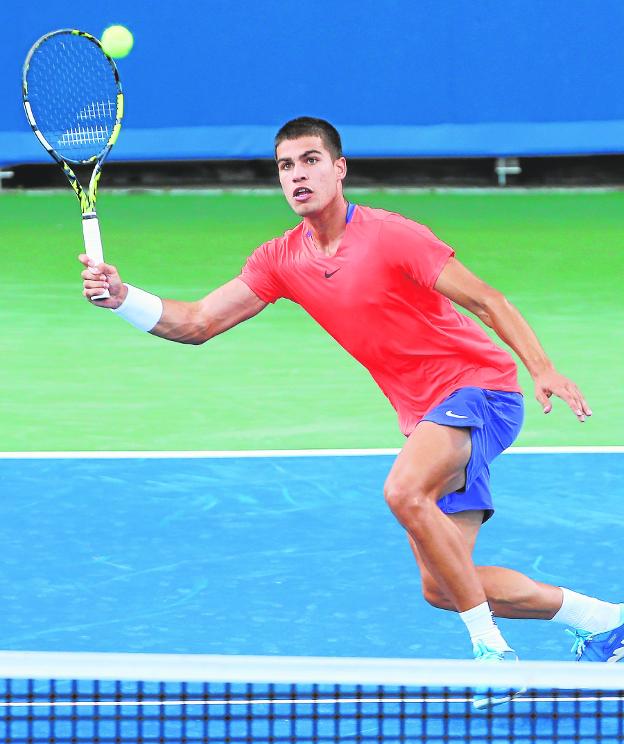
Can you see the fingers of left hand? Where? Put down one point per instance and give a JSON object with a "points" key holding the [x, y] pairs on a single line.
{"points": [[585, 406], [572, 396]]}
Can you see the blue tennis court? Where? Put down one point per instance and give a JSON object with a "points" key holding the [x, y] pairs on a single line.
{"points": [[288, 555]]}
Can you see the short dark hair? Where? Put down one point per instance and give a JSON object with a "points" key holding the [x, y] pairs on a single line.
{"points": [[308, 126]]}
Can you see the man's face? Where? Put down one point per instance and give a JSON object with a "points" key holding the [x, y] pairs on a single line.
{"points": [[309, 177]]}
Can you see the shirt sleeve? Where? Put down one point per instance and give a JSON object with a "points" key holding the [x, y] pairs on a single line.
{"points": [[259, 273], [419, 252]]}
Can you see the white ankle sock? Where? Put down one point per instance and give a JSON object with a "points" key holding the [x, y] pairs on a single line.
{"points": [[588, 613], [482, 627]]}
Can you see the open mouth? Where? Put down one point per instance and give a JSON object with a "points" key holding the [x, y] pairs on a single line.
{"points": [[302, 194]]}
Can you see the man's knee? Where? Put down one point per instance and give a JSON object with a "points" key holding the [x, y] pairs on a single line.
{"points": [[406, 501]]}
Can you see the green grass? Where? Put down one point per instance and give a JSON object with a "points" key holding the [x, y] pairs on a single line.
{"points": [[75, 377]]}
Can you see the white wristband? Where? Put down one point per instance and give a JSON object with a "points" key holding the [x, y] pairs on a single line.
{"points": [[140, 308]]}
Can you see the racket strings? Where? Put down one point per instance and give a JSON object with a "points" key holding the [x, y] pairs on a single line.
{"points": [[98, 110], [84, 136], [72, 90]]}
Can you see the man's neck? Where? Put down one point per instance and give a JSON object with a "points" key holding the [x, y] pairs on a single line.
{"points": [[327, 227]]}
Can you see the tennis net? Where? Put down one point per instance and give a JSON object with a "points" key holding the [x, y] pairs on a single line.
{"points": [[70, 698]]}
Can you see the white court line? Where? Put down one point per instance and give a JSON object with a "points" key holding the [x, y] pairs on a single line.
{"points": [[450, 699], [217, 454]]}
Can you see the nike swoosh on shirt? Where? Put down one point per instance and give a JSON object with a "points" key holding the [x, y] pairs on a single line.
{"points": [[331, 273], [454, 415]]}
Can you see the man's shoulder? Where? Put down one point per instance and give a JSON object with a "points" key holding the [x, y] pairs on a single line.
{"points": [[371, 214], [397, 235], [377, 216]]}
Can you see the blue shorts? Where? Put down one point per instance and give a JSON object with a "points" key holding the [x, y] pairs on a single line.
{"points": [[494, 418]]}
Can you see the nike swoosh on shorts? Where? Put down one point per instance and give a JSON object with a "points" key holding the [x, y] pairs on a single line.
{"points": [[454, 415]]}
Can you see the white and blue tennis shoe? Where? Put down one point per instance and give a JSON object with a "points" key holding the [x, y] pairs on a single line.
{"points": [[484, 698], [607, 647]]}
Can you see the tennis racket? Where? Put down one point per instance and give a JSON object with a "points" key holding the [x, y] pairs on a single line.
{"points": [[74, 104]]}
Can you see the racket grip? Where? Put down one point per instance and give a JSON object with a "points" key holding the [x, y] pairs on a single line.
{"points": [[93, 244]]}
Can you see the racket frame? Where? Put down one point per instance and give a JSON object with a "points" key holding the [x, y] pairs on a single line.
{"points": [[87, 198]]}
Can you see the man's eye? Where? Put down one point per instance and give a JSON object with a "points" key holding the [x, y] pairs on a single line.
{"points": [[285, 166], [312, 160]]}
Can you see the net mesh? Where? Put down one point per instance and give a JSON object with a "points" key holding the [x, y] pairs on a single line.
{"points": [[72, 91], [70, 711]]}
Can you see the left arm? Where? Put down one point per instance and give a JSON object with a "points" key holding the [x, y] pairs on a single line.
{"points": [[464, 288]]}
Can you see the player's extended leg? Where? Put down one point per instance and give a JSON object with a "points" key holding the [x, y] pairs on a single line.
{"points": [[510, 593]]}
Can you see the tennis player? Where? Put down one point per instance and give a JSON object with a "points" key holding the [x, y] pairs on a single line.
{"points": [[384, 286]]}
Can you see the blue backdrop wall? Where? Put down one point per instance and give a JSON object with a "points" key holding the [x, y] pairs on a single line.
{"points": [[399, 77]]}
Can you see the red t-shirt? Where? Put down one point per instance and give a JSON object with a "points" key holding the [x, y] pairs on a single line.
{"points": [[375, 296]]}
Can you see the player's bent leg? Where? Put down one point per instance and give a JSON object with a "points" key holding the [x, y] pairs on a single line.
{"points": [[433, 463], [510, 594], [598, 625]]}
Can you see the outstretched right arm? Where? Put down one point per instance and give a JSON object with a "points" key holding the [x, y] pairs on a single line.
{"points": [[184, 322]]}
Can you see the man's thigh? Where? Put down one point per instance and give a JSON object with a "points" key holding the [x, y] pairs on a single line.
{"points": [[433, 460]]}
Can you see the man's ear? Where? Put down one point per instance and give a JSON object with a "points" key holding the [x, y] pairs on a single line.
{"points": [[340, 166]]}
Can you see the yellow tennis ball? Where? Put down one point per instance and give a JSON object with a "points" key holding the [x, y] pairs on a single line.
{"points": [[117, 41]]}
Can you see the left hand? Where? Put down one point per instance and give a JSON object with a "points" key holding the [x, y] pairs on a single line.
{"points": [[550, 382]]}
